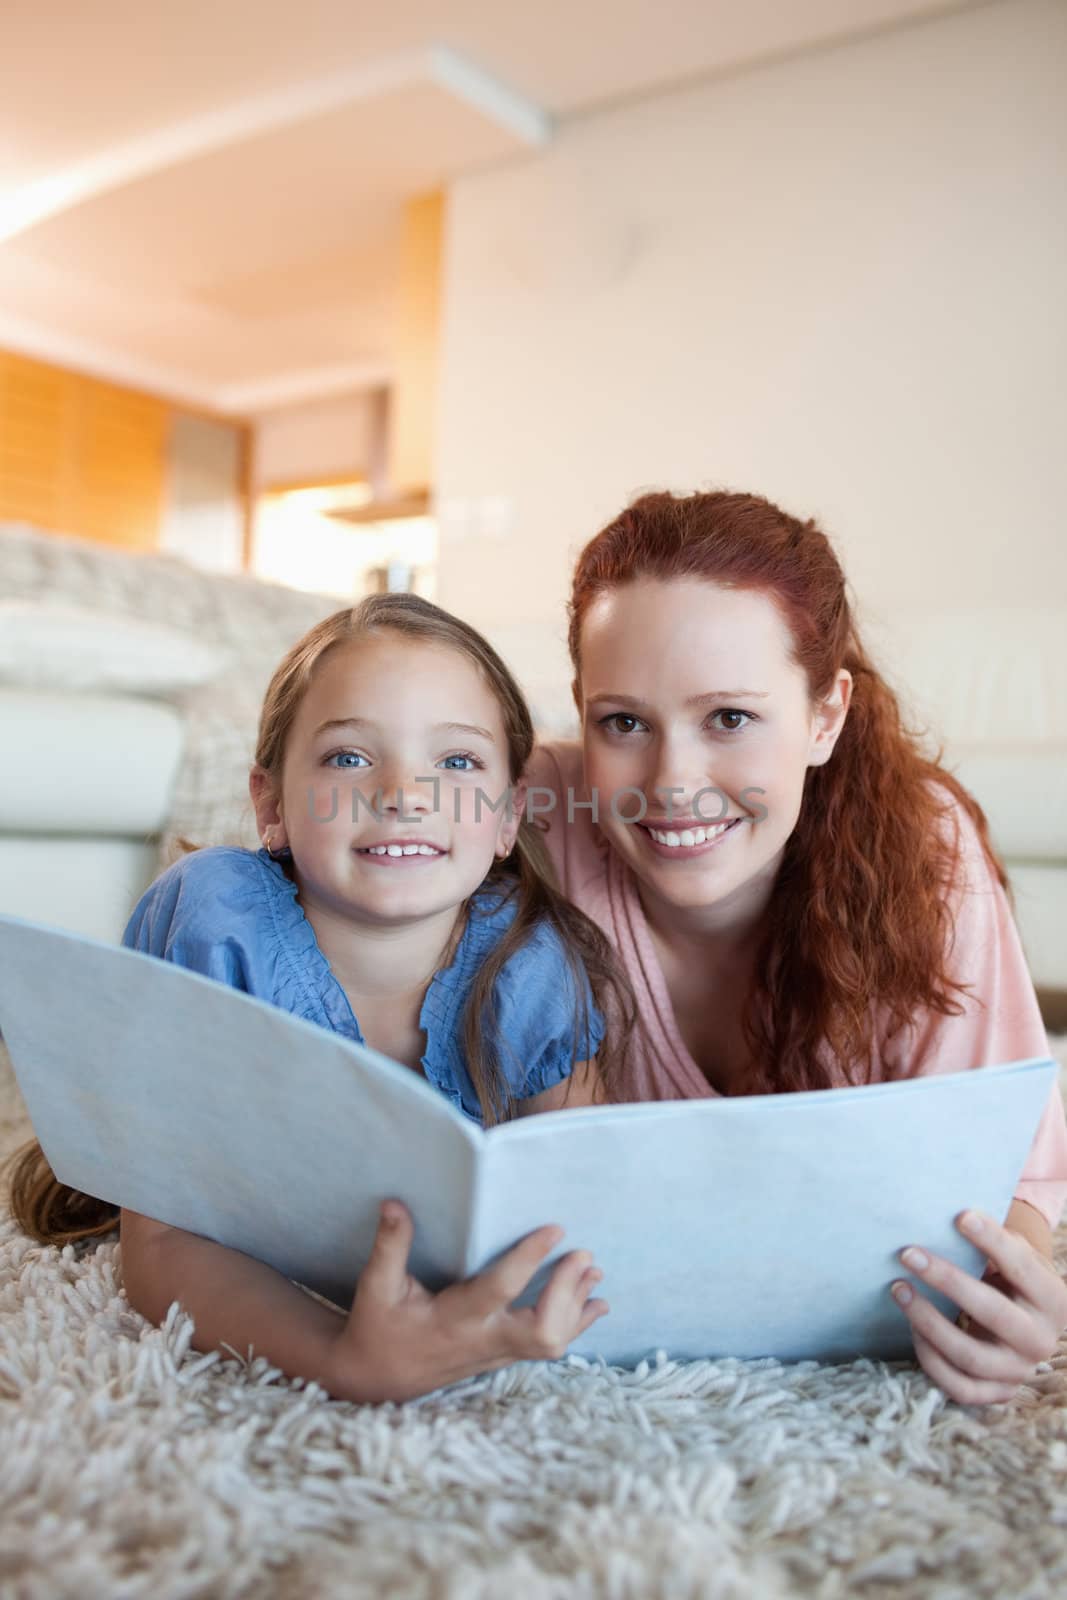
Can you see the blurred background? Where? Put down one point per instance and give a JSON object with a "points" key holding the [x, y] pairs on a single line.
{"points": [[342, 297]]}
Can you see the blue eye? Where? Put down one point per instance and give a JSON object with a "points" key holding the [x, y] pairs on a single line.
{"points": [[472, 762], [346, 759]]}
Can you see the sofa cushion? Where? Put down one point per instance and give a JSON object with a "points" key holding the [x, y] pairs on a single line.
{"points": [[1040, 895], [1023, 791], [253, 621], [45, 646], [87, 886], [86, 763], [995, 676]]}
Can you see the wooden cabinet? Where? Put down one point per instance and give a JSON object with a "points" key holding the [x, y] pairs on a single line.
{"points": [[78, 455]]}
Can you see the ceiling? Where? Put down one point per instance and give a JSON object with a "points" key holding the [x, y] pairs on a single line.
{"points": [[204, 197]]}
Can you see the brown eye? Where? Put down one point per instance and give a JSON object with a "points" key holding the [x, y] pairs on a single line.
{"points": [[733, 726], [621, 722]]}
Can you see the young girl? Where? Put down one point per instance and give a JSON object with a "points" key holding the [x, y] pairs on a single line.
{"points": [[799, 896], [400, 900]]}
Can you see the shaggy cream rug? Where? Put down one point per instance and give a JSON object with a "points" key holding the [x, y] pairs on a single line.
{"points": [[132, 1468]]}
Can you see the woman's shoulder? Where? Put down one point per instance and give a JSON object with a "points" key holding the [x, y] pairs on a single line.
{"points": [[562, 810], [995, 1015], [556, 764], [959, 829]]}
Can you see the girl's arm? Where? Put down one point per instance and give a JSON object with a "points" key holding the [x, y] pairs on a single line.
{"points": [[396, 1342], [580, 1089], [232, 1298]]}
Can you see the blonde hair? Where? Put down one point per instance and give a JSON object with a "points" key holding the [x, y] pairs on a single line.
{"points": [[55, 1214]]}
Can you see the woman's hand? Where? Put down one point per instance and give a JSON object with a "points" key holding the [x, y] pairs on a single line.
{"points": [[1012, 1317], [399, 1340]]}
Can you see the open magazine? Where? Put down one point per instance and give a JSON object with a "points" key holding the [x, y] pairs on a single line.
{"points": [[756, 1226]]}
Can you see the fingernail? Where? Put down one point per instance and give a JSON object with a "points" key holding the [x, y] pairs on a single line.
{"points": [[971, 1222], [902, 1294], [917, 1260]]}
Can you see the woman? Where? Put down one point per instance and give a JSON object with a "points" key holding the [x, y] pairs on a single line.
{"points": [[800, 897]]}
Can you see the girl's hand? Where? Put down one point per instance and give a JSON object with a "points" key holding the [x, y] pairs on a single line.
{"points": [[399, 1340], [1012, 1318]]}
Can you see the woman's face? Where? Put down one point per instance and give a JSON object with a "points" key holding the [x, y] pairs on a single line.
{"points": [[412, 731], [690, 698]]}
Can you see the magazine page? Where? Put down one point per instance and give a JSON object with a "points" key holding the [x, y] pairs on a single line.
{"points": [[768, 1225], [175, 1096]]}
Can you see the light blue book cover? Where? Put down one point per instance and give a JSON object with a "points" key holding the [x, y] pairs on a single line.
{"points": [[758, 1226]]}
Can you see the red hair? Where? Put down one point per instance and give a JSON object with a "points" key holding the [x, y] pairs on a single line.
{"points": [[860, 916]]}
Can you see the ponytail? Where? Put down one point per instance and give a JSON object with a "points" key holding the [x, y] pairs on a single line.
{"points": [[49, 1211]]}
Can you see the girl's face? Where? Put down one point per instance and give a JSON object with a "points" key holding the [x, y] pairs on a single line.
{"points": [[414, 730], [689, 696]]}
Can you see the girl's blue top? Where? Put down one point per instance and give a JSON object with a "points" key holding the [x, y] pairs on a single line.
{"points": [[233, 915]]}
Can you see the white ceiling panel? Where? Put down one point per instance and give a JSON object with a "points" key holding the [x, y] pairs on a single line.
{"points": [[79, 75], [280, 198], [218, 184]]}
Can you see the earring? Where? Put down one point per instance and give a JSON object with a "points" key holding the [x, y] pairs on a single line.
{"points": [[284, 854]]}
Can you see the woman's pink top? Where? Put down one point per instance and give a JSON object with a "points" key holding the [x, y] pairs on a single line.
{"points": [[1000, 1020]]}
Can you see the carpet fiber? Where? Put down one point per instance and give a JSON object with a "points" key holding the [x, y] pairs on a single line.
{"points": [[131, 1466]]}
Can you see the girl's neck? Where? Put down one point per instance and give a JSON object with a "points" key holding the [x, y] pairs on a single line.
{"points": [[376, 962]]}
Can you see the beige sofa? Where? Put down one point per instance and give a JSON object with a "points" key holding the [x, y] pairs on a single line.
{"points": [[97, 783], [86, 794], [991, 685]]}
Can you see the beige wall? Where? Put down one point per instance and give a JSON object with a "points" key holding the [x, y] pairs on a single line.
{"points": [[837, 280], [320, 439], [413, 391]]}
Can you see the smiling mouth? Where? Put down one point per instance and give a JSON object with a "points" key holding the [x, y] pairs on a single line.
{"points": [[394, 851], [690, 838]]}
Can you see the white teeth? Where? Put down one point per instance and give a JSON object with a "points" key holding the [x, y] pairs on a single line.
{"points": [[689, 836], [402, 850]]}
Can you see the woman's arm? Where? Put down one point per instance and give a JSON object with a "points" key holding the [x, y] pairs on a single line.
{"points": [[396, 1342], [1027, 1220], [1014, 1314]]}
